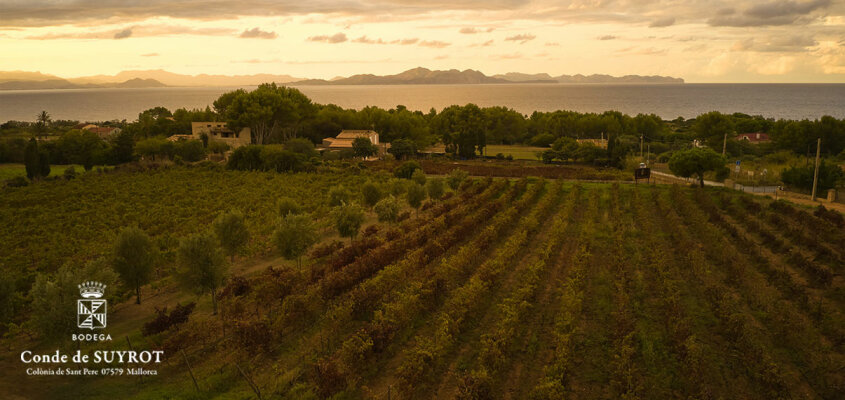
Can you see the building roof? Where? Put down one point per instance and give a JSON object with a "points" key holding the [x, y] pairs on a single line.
{"points": [[176, 138], [353, 133]]}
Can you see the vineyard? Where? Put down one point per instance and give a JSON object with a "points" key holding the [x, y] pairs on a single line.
{"points": [[504, 289]]}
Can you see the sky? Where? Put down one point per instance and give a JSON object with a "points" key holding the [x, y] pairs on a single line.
{"points": [[698, 40]]}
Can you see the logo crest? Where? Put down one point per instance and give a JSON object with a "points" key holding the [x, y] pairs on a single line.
{"points": [[91, 310]]}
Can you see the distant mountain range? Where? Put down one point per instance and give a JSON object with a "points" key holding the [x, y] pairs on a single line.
{"points": [[426, 76], [22, 80]]}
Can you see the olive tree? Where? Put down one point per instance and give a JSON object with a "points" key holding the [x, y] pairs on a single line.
{"points": [[388, 209], [232, 232], [372, 193], [695, 161], [54, 296], [416, 194], [134, 256], [202, 266], [455, 178], [348, 219], [294, 235], [434, 187]]}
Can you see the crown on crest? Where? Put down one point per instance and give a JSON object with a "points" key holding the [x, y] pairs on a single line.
{"points": [[91, 289]]}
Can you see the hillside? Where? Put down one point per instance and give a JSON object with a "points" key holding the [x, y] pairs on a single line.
{"points": [[65, 84], [504, 289]]}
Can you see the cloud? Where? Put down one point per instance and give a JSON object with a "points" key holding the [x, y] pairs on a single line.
{"points": [[150, 55], [662, 22], [606, 37], [406, 42], [123, 34], [256, 33], [552, 44], [522, 38], [364, 39], [474, 30], [434, 43], [135, 32], [512, 56], [772, 44], [778, 12], [336, 38], [484, 44]]}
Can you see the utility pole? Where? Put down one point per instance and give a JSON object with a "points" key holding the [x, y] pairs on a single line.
{"points": [[641, 146], [725, 144], [816, 173]]}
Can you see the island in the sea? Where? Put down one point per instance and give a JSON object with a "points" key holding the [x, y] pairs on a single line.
{"points": [[23, 80]]}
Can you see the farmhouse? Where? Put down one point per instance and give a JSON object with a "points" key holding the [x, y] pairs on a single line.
{"points": [[345, 137], [104, 132], [218, 131], [758, 137]]}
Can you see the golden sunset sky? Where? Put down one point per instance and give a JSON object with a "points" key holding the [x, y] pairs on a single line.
{"points": [[700, 41]]}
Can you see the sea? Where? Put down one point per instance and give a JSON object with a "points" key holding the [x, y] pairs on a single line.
{"points": [[669, 101]]}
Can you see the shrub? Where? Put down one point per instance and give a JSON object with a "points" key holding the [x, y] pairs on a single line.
{"points": [[275, 158], [217, 147], [348, 219], [190, 150], [245, 158], [372, 194], [802, 177], [435, 188], [301, 146], [17, 181], [287, 205], [69, 173], [388, 209], [338, 196], [416, 194], [164, 321], [455, 178], [406, 170], [419, 177], [543, 140]]}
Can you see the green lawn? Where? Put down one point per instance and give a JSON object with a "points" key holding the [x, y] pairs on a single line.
{"points": [[9, 171]]}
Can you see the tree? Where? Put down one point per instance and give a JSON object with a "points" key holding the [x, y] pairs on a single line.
{"points": [[712, 127], [123, 145], [294, 235], [419, 177], [338, 196], [406, 170], [802, 177], [268, 111], [202, 266], [566, 148], [80, 147], [455, 178], [695, 161], [402, 148], [42, 123], [363, 147], [416, 194], [8, 297], [287, 205], [372, 193], [232, 232], [388, 209], [302, 146], [434, 187], [348, 219], [32, 160], [54, 297], [133, 257]]}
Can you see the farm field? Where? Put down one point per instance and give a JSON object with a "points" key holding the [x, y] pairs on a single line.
{"points": [[505, 289]]}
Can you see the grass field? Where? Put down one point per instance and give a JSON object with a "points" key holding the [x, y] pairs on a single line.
{"points": [[9, 171], [506, 289]]}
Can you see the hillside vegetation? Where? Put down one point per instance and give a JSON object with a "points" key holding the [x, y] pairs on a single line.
{"points": [[507, 289]]}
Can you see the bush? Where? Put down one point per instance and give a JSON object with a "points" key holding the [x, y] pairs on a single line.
{"points": [[164, 321], [275, 158], [416, 194], [338, 196], [217, 147], [455, 178], [722, 173], [388, 209], [435, 188], [543, 140], [17, 181], [802, 177], [372, 194], [245, 158], [190, 150], [301, 146], [287, 205], [500, 156], [406, 170], [418, 176]]}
